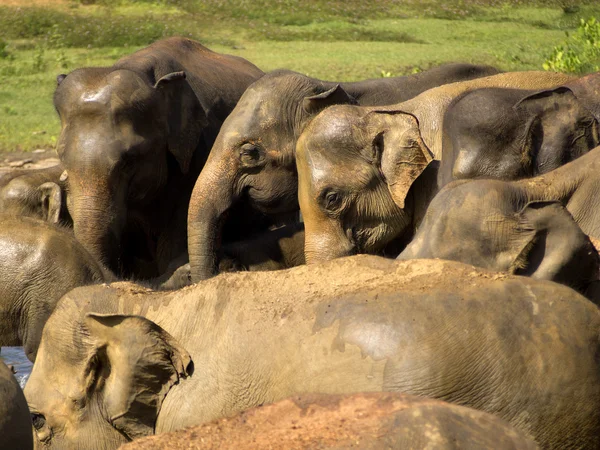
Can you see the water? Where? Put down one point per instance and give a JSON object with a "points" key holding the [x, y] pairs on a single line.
{"points": [[15, 356]]}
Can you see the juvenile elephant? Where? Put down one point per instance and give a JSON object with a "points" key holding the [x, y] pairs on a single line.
{"points": [[134, 138], [541, 240], [488, 222], [119, 362], [511, 133], [371, 420], [252, 161], [37, 193], [39, 263], [15, 421], [366, 175]]}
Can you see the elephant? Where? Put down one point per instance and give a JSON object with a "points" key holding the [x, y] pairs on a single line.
{"points": [[277, 249], [367, 174], [478, 213], [252, 160], [15, 421], [134, 137], [37, 193], [372, 420], [39, 263], [511, 133], [541, 240], [119, 362]]}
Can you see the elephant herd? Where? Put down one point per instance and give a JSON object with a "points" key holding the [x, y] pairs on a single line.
{"points": [[472, 323]]}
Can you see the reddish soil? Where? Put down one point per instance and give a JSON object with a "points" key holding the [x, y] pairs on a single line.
{"points": [[361, 421]]}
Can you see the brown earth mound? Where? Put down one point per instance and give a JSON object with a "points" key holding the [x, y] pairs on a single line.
{"points": [[365, 421]]}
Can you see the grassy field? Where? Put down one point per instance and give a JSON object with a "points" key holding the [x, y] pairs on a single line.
{"points": [[338, 40]]}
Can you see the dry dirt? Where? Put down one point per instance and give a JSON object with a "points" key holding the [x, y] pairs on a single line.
{"points": [[37, 159], [362, 421]]}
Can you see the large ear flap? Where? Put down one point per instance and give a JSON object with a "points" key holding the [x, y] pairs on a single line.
{"points": [[334, 96], [553, 246], [186, 118], [561, 90], [134, 365], [50, 196], [400, 150]]}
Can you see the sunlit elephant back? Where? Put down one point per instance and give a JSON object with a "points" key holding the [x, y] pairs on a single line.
{"points": [[134, 138]]}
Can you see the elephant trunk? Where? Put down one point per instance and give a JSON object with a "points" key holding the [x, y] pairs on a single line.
{"points": [[98, 223], [212, 197], [327, 243]]}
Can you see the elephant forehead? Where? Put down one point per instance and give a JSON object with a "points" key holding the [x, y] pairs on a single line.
{"points": [[112, 91]]}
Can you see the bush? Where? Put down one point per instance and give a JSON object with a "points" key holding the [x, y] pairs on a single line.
{"points": [[580, 53]]}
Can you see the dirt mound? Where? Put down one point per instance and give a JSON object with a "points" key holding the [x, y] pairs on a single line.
{"points": [[365, 421]]}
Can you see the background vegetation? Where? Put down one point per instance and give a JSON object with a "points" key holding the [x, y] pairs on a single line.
{"points": [[330, 39]]}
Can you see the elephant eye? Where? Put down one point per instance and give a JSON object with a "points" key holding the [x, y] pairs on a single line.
{"points": [[250, 154], [331, 200], [38, 421]]}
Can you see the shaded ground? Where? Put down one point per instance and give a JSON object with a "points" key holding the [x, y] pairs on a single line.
{"points": [[38, 159]]}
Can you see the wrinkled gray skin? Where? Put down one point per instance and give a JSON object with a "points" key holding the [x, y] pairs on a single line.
{"points": [[541, 240], [37, 193], [134, 138], [15, 420], [120, 362], [491, 222], [365, 174], [511, 133], [278, 249], [253, 163], [39, 263]]}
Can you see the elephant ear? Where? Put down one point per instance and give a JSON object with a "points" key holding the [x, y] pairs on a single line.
{"points": [[186, 118], [399, 149], [552, 246], [50, 196], [134, 364], [576, 93], [334, 96]]}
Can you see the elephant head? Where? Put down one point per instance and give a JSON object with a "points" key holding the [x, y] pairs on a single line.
{"points": [[500, 133], [120, 368], [540, 239], [35, 193], [356, 167], [253, 159], [123, 136]]}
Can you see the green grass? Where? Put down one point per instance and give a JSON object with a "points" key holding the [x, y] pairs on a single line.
{"points": [[336, 40]]}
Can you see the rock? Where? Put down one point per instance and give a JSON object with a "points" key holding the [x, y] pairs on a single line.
{"points": [[20, 163]]}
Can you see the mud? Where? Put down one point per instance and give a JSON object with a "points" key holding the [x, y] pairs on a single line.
{"points": [[365, 421]]}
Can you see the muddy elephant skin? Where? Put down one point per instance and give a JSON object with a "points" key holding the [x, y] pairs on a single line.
{"points": [[134, 138], [38, 264], [367, 174], [252, 162], [366, 421], [37, 193], [512, 134], [16, 432], [541, 240], [120, 362], [497, 223]]}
